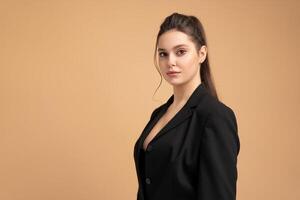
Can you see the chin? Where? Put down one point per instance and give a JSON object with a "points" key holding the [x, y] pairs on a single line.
{"points": [[175, 82]]}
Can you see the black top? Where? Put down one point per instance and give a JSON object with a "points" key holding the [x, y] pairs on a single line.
{"points": [[194, 156], [142, 169]]}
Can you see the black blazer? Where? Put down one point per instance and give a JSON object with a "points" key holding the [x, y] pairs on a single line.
{"points": [[194, 156]]}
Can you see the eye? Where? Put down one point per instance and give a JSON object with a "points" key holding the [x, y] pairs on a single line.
{"points": [[182, 52], [162, 54]]}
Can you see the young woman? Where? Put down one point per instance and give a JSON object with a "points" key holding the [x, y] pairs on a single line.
{"points": [[188, 149]]}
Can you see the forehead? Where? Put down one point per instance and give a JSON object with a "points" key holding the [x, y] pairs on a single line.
{"points": [[172, 39]]}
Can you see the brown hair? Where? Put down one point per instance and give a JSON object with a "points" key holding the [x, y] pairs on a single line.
{"points": [[191, 26]]}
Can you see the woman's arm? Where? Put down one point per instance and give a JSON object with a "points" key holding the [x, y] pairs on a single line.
{"points": [[217, 165]]}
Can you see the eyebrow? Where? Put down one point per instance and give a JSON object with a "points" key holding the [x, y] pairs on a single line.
{"points": [[179, 45]]}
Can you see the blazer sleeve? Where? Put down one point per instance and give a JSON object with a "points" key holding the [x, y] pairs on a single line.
{"points": [[217, 164]]}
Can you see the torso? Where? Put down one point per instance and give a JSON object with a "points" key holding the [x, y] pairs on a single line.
{"points": [[170, 113]]}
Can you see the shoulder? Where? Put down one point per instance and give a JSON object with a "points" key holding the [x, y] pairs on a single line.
{"points": [[211, 108], [219, 122]]}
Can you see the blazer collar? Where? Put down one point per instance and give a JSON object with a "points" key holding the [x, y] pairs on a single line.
{"points": [[193, 99], [183, 114]]}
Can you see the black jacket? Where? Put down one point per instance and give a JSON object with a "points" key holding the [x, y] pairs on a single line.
{"points": [[194, 156]]}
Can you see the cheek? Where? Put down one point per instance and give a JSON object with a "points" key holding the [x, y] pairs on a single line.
{"points": [[188, 63], [162, 64]]}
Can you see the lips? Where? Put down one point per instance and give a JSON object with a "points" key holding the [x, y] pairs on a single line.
{"points": [[172, 72]]}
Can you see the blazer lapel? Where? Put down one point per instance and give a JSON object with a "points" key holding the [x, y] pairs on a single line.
{"points": [[183, 114]]}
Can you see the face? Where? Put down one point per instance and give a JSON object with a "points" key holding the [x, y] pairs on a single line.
{"points": [[178, 59]]}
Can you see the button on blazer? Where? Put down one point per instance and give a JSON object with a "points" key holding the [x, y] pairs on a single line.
{"points": [[194, 156]]}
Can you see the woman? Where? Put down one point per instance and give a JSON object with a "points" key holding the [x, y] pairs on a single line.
{"points": [[188, 149]]}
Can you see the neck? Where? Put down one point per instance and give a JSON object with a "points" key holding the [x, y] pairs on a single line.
{"points": [[183, 92]]}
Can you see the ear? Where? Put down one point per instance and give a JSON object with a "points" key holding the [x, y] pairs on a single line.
{"points": [[202, 53]]}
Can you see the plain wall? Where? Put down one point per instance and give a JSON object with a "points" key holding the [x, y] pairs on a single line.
{"points": [[76, 86]]}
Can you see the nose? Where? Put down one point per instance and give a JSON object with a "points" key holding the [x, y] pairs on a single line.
{"points": [[171, 60]]}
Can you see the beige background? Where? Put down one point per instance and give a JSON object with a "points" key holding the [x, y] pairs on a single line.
{"points": [[77, 79]]}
